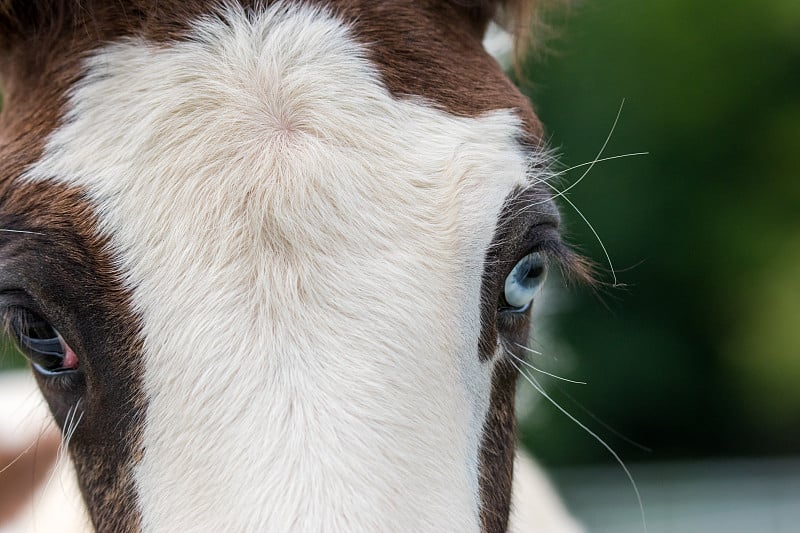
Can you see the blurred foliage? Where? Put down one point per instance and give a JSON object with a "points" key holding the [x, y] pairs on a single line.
{"points": [[700, 354], [10, 357]]}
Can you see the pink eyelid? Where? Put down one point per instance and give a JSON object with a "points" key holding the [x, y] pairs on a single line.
{"points": [[70, 359]]}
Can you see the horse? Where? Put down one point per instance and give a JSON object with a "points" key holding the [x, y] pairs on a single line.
{"points": [[271, 261]]}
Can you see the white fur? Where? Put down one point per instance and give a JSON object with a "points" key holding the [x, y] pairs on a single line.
{"points": [[305, 252], [57, 505], [535, 505]]}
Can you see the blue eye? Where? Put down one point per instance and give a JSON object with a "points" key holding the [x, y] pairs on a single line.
{"points": [[524, 281]]}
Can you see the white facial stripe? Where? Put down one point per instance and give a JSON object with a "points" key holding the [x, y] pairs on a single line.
{"points": [[306, 253]]}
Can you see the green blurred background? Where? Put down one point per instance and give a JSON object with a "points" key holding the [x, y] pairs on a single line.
{"points": [[699, 355]]}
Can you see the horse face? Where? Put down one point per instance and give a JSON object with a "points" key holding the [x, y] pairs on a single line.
{"points": [[266, 260]]}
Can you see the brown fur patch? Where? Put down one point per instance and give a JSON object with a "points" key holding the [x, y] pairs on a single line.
{"points": [[433, 49], [497, 450], [423, 48], [68, 276]]}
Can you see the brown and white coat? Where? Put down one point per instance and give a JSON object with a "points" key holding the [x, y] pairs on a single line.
{"points": [[275, 235]]}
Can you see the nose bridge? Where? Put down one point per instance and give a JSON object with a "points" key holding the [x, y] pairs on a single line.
{"points": [[365, 381]]}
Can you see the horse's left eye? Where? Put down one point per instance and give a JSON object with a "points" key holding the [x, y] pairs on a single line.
{"points": [[42, 344], [524, 282]]}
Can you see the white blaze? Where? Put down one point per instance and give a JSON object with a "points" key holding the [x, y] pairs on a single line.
{"points": [[305, 252]]}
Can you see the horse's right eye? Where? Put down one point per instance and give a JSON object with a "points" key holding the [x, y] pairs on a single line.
{"points": [[42, 344], [523, 282]]}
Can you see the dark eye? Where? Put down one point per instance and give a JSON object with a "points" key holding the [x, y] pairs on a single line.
{"points": [[524, 282], [42, 344]]}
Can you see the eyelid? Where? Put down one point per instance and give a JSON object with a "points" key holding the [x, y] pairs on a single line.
{"points": [[43, 346], [40, 342]]}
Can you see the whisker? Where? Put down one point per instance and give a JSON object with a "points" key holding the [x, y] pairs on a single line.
{"points": [[597, 419], [20, 231], [60, 452], [72, 429], [70, 426], [537, 180], [598, 158], [580, 406], [527, 349], [536, 385], [67, 424], [605, 251], [18, 457], [35, 442], [546, 373], [600, 153], [601, 160]]}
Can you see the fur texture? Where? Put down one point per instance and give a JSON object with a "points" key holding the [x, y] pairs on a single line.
{"points": [[304, 251], [56, 505]]}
